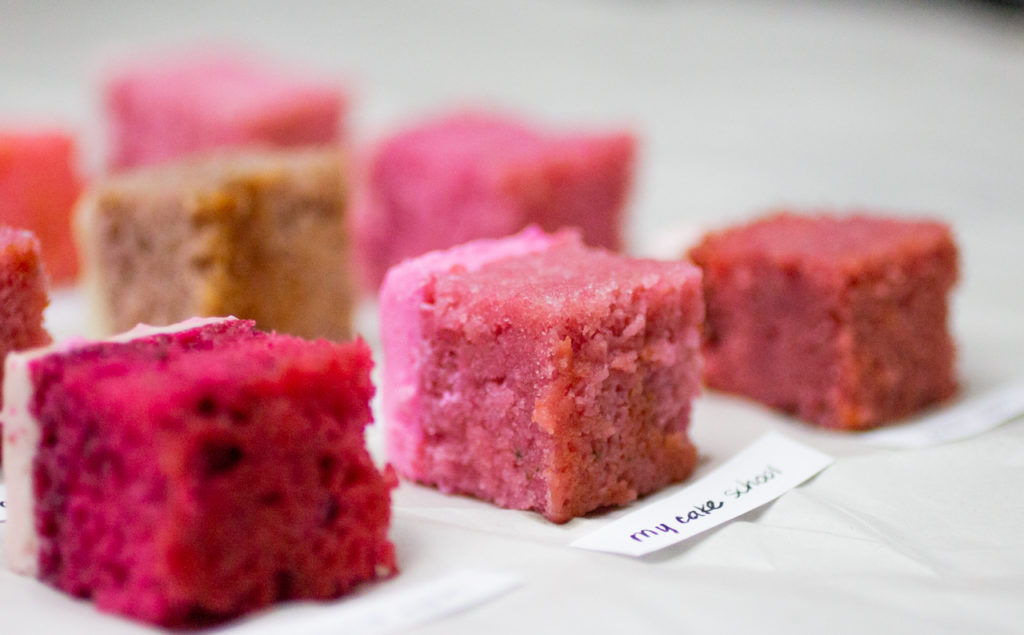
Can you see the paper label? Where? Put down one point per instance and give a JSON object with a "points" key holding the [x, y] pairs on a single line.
{"points": [[771, 466], [3, 502], [373, 614], [966, 419]]}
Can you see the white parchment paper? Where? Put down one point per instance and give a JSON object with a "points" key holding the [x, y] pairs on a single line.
{"points": [[913, 108]]}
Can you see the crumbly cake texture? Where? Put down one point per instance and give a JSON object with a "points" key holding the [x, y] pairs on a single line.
{"points": [[540, 374], [38, 188], [260, 235], [840, 320], [182, 478], [470, 176], [23, 294], [165, 108]]}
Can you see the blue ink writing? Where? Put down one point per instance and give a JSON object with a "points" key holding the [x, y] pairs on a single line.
{"points": [[698, 511], [744, 487]]}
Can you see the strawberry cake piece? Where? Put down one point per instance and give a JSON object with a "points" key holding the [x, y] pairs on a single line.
{"points": [[469, 176], [23, 294], [840, 320], [38, 188], [258, 234], [186, 475], [162, 109], [537, 373]]}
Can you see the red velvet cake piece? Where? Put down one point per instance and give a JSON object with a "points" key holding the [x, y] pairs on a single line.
{"points": [[839, 320], [23, 294], [469, 176], [38, 188], [540, 374], [186, 475], [163, 109]]}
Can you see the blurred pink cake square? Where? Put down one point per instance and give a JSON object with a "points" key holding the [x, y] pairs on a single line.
{"points": [[185, 475], [469, 176], [39, 184], [841, 321], [162, 109], [537, 373]]}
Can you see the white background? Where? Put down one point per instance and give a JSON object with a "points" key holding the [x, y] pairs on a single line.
{"points": [[904, 107]]}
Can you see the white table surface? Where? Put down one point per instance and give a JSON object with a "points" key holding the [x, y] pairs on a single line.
{"points": [[904, 107]]}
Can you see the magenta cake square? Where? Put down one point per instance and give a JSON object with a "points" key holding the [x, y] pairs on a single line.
{"points": [[537, 373], [185, 475], [160, 109], [840, 320], [467, 176]]}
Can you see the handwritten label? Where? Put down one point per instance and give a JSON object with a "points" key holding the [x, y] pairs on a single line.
{"points": [[373, 614], [968, 418], [3, 502], [759, 474]]}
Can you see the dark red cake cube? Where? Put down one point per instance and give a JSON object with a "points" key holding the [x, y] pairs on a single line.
{"points": [[841, 321]]}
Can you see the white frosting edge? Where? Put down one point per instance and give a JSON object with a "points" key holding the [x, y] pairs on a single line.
{"points": [[21, 439]]}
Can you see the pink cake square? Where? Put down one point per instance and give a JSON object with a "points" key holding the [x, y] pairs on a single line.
{"points": [[537, 373], [164, 109], [38, 187], [23, 294], [182, 476], [841, 321], [468, 176]]}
